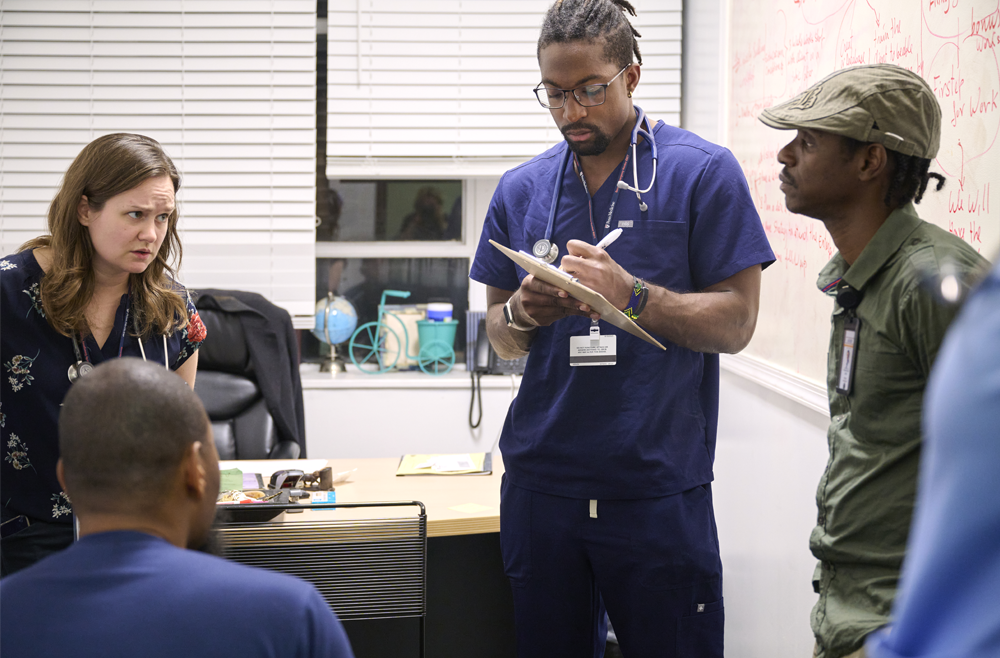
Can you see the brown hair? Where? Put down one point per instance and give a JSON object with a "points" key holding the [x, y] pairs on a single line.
{"points": [[107, 167]]}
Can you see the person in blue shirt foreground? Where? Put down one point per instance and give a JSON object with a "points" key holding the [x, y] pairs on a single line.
{"points": [[947, 601], [606, 502], [140, 465]]}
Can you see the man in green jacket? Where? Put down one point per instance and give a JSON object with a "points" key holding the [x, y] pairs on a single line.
{"points": [[858, 163]]}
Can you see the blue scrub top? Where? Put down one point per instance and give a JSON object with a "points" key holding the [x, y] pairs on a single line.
{"points": [[644, 427]]}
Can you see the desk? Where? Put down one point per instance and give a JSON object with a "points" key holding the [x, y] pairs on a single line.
{"points": [[375, 480], [469, 604]]}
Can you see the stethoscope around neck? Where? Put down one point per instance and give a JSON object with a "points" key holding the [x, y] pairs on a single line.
{"points": [[547, 250], [83, 366]]}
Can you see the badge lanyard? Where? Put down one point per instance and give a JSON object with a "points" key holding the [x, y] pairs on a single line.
{"points": [[590, 205], [848, 298]]}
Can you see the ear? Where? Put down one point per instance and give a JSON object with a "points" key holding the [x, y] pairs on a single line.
{"points": [[875, 163], [632, 77], [195, 478], [61, 475], [83, 210]]}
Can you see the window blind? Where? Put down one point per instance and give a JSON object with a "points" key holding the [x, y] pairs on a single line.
{"points": [[443, 87], [226, 86]]}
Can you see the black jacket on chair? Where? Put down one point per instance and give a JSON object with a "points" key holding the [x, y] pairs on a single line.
{"points": [[248, 376]]}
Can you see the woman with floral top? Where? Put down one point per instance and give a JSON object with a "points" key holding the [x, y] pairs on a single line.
{"points": [[99, 286]]}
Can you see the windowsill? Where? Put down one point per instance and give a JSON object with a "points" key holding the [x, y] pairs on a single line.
{"points": [[458, 378]]}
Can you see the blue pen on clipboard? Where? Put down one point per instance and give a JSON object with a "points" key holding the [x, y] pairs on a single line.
{"points": [[609, 238]]}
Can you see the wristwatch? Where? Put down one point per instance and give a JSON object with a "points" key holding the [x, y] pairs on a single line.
{"points": [[508, 315]]}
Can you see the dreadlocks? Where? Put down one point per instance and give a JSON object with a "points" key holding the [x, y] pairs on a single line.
{"points": [[909, 180], [593, 20], [910, 175]]}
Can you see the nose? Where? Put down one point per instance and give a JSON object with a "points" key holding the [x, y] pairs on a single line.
{"points": [[785, 154], [572, 110], [147, 231]]}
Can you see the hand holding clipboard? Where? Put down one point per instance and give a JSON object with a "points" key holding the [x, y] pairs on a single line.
{"points": [[566, 282]]}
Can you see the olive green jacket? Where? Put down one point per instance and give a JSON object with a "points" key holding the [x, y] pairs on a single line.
{"points": [[865, 497]]}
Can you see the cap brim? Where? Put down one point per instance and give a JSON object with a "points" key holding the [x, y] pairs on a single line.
{"points": [[769, 119]]}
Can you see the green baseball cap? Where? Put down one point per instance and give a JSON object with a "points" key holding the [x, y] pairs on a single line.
{"points": [[881, 103]]}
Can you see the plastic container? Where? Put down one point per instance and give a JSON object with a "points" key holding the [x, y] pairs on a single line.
{"points": [[439, 311], [437, 338]]}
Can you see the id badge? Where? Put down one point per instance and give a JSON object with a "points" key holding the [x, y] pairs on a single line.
{"points": [[848, 355], [593, 349]]}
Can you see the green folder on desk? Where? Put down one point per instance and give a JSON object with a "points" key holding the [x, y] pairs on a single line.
{"points": [[475, 463]]}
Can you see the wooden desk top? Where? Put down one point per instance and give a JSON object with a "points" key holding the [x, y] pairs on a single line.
{"points": [[476, 497]]}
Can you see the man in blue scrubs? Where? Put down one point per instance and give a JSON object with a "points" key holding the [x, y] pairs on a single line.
{"points": [[606, 501], [138, 461]]}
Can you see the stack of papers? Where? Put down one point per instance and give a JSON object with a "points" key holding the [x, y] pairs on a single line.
{"points": [[479, 463]]}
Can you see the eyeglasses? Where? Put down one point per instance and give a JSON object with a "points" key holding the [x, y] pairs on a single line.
{"points": [[587, 95]]}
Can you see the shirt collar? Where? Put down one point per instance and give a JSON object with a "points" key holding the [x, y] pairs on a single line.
{"points": [[886, 242]]}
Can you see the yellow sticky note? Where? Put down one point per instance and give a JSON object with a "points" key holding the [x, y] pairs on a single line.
{"points": [[470, 508]]}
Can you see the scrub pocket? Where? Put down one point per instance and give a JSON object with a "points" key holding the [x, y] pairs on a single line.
{"points": [[700, 633], [515, 532]]}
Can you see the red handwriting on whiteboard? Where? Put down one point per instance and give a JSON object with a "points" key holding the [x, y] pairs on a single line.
{"points": [[987, 24], [980, 103], [946, 5], [794, 260], [971, 232], [947, 87], [985, 28], [974, 201]]}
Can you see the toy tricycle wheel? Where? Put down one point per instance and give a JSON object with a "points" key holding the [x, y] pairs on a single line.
{"points": [[368, 348], [436, 357]]}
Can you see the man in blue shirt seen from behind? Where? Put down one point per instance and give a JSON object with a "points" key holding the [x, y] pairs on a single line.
{"points": [[140, 465]]}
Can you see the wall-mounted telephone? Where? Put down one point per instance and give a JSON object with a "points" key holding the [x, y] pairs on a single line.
{"points": [[488, 363]]}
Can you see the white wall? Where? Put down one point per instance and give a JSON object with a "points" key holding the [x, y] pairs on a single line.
{"points": [[770, 454], [702, 68], [389, 415]]}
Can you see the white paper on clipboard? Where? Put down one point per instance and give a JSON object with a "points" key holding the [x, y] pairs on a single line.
{"points": [[577, 290]]}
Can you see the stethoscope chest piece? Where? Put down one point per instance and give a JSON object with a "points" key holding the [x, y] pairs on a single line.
{"points": [[545, 250], [78, 370]]}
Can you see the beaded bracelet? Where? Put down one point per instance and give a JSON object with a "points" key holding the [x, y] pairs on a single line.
{"points": [[638, 301]]}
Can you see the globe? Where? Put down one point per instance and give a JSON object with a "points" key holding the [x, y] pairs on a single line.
{"points": [[336, 320]]}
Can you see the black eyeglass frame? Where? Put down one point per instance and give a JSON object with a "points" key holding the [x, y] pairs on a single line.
{"points": [[603, 85]]}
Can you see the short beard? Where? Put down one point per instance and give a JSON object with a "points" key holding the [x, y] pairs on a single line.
{"points": [[596, 147]]}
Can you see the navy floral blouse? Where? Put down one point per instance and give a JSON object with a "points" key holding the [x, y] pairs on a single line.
{"points": [[36, 361]]}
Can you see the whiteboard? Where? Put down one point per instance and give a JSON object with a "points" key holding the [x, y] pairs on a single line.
{"points": [[776, 49]]}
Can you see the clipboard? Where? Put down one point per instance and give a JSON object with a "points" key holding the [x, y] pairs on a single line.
{"points": [[567, 282]]}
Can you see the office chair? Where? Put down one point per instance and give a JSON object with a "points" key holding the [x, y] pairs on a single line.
{"points": [[227, 383], [369, 570]]}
